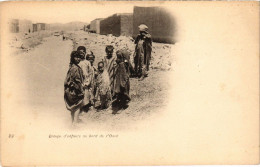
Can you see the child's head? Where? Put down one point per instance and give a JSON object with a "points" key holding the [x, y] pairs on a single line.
{"points": [[82, 51], [90, 57], [101, 66], [75, 57], [109, 50], [143, 29], [119, 56]]}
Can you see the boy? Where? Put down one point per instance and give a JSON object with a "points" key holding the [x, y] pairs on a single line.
{"points": [[109, 65], [103, 93], [92, 73], [86, 68]]}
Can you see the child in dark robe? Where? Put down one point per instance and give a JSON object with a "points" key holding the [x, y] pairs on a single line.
{"points": [[122, 83], [73, 87]]}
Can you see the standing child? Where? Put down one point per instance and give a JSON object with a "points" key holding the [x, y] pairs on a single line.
{"points": [[143, 51], [73, 89], [122, 83], [103, 93], [86, 69], [109, 65], [92, 74]]}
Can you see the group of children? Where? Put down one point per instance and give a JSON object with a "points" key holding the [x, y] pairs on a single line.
{"points": [[86, 86], [109, 84]]}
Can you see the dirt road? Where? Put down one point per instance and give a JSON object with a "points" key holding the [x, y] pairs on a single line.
{"points": [[41, 77]]}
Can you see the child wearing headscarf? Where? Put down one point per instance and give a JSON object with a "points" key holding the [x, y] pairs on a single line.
{"points": [[143, 51]]}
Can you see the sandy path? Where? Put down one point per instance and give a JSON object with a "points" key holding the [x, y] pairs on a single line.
{"points": [[42, 72], [40, 82]]}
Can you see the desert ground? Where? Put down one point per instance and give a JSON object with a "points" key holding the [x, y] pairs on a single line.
{"points": [[199, 105], [43, 62]]}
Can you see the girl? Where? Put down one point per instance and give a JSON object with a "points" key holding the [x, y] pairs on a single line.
{"points": [[73, 89]]}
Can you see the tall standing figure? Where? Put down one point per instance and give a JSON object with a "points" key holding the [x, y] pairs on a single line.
{"points": [[73, 89], [143, 51], [109, 65]]}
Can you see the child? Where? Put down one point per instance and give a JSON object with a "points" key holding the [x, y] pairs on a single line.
{"points": [[109, 64], [122, 83], [103, 93], [87, 78], [92, 75], [143, 51], [73, 89]]}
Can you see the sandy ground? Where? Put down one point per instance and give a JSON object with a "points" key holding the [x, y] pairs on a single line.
{"points": [[212, 117], [42, 71]]}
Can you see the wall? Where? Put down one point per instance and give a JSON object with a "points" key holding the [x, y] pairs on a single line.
{"points": [[117, 24], [126, 22], [34, 27], [95, 25], [14, 25], [42, 26], [110, 25], [25, 26], [161, 24]]}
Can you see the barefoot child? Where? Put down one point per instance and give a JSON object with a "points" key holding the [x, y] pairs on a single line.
{"points": [[122, 83], [85, 65], [103, 93], [73, 89]]}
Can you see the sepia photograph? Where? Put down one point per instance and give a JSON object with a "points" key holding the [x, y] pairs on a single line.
{"points": [[129, 83], [109, 72]]}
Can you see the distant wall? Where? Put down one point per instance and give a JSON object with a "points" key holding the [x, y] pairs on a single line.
{"points": [[117, 24], [110, 25], [25, 26], [42, 25], [34, 27], [126, 28], [95, 25], [160, 23]]}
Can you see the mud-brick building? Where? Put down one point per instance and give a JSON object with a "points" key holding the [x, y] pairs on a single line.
{"points": [[117, 24], [160, 22], [14, 25], [41, 26], [21, 26], [25, 26], [95, 25], [34, 27]]}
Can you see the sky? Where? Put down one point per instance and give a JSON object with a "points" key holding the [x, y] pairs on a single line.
{"points": [[63, 12]]}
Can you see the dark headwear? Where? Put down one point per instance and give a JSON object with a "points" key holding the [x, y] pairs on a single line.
{"points": [[109, 48], [72, 56], [81, 48], [90, 54]]}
